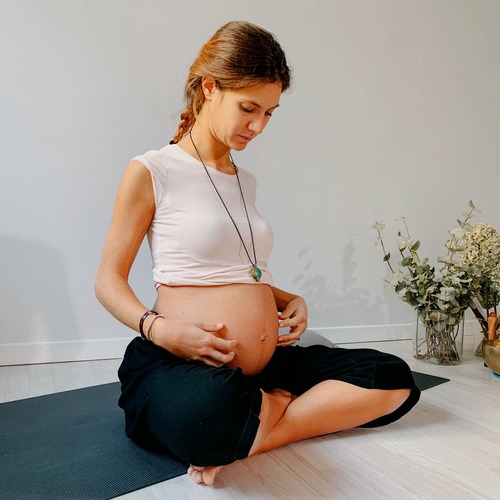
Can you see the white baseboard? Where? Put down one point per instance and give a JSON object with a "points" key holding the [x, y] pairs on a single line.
{"points": [[85, 350], [369, 333], [57, 352], [377, 333]]}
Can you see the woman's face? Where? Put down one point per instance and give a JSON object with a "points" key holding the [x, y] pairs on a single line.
{"points": [[237, 116]]}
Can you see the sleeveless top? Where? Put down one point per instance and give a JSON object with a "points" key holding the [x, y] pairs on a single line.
{"points": [[192, 239]]}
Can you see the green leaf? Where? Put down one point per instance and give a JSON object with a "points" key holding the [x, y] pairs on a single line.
{"points": [[471, 205], [407, 261], [435, 316], [415, 247]]}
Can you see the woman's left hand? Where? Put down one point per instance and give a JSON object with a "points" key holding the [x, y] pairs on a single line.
{"points": [[295, 317]]}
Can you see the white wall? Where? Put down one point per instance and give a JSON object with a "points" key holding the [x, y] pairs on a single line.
{"points": [[395, 111]]}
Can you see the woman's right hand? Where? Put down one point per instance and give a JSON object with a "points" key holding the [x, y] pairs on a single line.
{"points": [[194, 341]]}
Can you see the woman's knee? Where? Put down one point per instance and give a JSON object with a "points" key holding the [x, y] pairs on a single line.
{"points": [[395, 398], [398, 402]]}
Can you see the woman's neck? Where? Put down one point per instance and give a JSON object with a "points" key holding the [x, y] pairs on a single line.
{"points": [[203, 146]]}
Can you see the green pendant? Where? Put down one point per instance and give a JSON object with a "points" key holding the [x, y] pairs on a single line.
{"points": [[256, 273]]}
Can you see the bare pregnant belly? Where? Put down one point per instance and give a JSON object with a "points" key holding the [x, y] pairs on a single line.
{"points": [[248, 313]]}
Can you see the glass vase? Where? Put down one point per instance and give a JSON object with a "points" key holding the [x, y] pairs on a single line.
{"points": [[442, 346]]}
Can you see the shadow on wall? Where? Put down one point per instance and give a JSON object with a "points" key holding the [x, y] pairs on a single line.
{"points": [[340, 305], [35, 305]]}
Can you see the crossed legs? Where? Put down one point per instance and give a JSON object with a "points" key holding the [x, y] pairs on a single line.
{"points": [[186, 407], [329, 406]]}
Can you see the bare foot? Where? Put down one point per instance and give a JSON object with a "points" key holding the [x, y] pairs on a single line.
{"points": [[274, 404], [204, 475]]}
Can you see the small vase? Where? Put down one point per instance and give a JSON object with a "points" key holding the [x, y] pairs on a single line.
{"points": [[439, 346]]}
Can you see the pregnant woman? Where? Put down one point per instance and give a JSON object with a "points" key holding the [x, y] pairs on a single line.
{"points": [[208, 379]]}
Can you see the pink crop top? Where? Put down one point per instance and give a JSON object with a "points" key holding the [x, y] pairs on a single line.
{"points": [[192, 238]]}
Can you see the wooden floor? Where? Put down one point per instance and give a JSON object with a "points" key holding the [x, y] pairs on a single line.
{"points": [[448, 447]]}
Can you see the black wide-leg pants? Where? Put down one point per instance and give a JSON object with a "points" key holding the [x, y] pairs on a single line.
{"points": [[209, 416]]}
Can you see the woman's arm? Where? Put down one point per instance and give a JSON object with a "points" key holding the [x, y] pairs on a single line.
{"points": [[132, 216], [293, 314]]}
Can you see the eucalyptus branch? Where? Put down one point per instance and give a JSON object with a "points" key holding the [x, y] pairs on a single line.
{"points": [[483, 323], [452, 244], [387, 255], [406, 227]]}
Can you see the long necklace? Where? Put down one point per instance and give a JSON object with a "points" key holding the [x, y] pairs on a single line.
{"points": [[255, 272]]}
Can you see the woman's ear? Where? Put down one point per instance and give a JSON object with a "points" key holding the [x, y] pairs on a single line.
{"points": [[209, 86]]}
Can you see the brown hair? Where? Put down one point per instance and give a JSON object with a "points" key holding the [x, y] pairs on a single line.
{"points": [[239, 55]]}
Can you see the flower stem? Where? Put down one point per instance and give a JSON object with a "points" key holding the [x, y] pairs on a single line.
{"points": [[481, 319]]}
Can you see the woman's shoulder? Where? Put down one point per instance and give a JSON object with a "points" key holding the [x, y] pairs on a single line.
{"points": [[153, 157], [160, 161]]}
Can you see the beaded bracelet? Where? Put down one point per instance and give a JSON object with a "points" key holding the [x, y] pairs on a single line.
{"points": [[141, 323], [149, 331]]}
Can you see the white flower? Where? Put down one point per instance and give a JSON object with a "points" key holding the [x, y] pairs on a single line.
{"points": [[482, 251]]}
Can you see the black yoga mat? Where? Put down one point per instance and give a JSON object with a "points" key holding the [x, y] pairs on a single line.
{"points": [[71, 445], [424, 381]]}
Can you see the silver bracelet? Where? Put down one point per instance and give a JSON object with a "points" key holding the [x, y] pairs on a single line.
{"points": [[149, 332]]}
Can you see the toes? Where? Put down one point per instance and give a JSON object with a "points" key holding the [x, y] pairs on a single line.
{"points": [[195, 474], [203, 475], [209, 474]]}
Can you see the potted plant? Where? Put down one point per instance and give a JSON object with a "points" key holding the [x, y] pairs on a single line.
{"points": [[439, 293]]}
